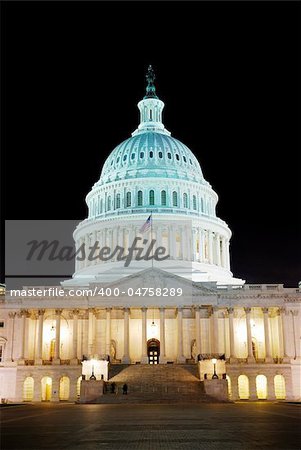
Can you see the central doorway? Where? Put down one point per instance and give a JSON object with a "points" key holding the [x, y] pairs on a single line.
{"points": [[153, 351]]}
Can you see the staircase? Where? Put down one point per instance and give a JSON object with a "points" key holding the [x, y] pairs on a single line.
{"points": [[168, 383]]}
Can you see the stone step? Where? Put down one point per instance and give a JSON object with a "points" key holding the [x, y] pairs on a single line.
{"points": [[170, 383]]}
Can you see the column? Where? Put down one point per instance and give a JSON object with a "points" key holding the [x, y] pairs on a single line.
{"points": [[200, 256], [10, 345], [250, 358], [114, 240], [268, 355], [91, 335], [210, 247], [159, 237], [203, 256], [108, 331], [172, 242], [39, 355], [24, 315], [284, 336], [194, 244], [144, 359], [126, 355], [74, 359], [57, 347], [215, 346], [218, 249], [180, 358], [227, 254], [197, 331], [162, 359], [231, 332], [183, 244], [87, 250], [296, 333], [224, 252]]}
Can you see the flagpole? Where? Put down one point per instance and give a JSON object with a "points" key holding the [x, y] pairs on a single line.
{"points": [[152, 238]]}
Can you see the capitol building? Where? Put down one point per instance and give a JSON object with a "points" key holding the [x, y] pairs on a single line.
{"points": [[173, 314]]}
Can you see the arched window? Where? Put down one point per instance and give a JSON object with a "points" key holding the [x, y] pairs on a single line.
{"points": [[163, 198], [194, 202], [160, 155], [151, 154], [279, 385], [202, 205], [100, 208], [169, 155], [117, 201], [140, 198], [64, 390], [151, 197], [128, 199], [174, 198], [243, 387], [261, 387], [109, 203], [46, 388], [28, 389], [185, 201]]}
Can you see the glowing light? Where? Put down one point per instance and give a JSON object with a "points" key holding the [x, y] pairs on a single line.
{"points": [[153, 329]]}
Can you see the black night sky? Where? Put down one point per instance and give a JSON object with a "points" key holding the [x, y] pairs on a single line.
{"points": [[229, 74]]}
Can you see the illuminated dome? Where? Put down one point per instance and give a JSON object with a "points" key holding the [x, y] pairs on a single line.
{"points": [[153, 173], [151, 154]]}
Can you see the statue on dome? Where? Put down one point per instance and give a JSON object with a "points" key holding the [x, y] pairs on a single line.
{"points": [[150, 78]]}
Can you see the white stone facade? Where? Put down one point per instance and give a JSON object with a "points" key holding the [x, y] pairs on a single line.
{"points": [[43, 340], [256, 327]]}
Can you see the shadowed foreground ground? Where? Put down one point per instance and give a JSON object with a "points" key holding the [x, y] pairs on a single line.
{"points": [[205, 426]]}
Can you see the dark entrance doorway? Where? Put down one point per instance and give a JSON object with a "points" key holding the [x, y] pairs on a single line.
{"points": [[153, 351]]}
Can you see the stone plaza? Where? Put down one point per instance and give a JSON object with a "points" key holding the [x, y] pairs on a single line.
{"points": [[247, 426]]}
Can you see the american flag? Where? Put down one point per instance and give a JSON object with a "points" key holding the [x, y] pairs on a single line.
{"points": [[147, 224]]}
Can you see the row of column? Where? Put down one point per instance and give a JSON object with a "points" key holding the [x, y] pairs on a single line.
{"points": [[214, 334], [194, 245]]}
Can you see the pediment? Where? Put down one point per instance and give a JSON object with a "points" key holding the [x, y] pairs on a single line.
{"points": [[154, 286]]}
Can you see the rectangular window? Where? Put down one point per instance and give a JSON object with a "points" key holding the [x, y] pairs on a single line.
{"points": [[1, 324], [1, 353]]}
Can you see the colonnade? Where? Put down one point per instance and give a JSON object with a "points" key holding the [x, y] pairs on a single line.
{"points": [[286, 321], [181, 242]]}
